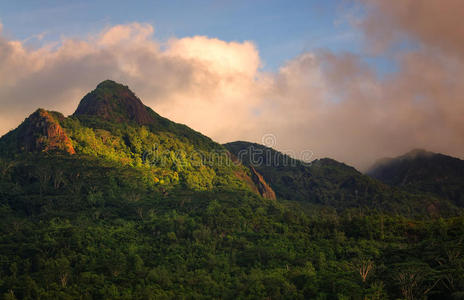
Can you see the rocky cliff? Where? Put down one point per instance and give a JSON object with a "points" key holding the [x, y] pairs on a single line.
{"points": [[42, 132]]}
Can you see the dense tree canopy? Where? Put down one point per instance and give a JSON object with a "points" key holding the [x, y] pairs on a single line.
{"points": [[159, 211]]}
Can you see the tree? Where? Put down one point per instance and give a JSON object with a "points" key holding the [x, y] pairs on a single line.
{"points": [[44, 175], [416, 281], [364, 267], [5, 168], [58, 178]]}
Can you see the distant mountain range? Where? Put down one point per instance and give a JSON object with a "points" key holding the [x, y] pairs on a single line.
{"points": [[328, 182]]}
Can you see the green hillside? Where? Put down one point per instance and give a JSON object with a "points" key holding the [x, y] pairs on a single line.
{"points": [[72, 227], [168, 153], [116, 202], [331, 183]]}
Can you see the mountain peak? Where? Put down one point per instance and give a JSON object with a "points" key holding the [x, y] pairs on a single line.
{"points": [[418, 153], [115, 102], [108, 83], [41, 132], [424, 171]]}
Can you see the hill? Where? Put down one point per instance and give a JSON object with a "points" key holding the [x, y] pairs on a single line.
{"points": [[117, 202], [115, 102], [328, 182], [40, 132], [112, 124], [423, 171]]}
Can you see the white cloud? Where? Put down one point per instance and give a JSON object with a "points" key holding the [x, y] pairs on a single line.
{"points": [[333, 105]]}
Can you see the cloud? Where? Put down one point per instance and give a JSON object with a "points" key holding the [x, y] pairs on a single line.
{"points": [[436, 24], [338, 106], [334, 105], [204, 82]]}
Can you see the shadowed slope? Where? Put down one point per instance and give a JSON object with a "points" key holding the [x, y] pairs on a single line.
{"points": [[329, 182], [424, 171]]}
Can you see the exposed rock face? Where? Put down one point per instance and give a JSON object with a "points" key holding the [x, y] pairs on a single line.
{"points": [[256, 181], [114, 102], [42, 132], [263, 188]]}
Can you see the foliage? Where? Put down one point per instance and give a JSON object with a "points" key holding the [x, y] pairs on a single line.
{"points": [[327, 182], [74, 227], [159, 211]]}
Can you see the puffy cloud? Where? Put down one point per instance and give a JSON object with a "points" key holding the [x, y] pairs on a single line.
{"points": [[204, 82], [120, 34], [331, 104], [226, 59]]}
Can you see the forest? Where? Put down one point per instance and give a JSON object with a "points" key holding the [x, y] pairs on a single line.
{"points": [[159, 211]]}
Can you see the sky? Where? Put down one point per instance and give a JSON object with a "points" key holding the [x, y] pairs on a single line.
{"points": [[355, 80], [280, 29]]}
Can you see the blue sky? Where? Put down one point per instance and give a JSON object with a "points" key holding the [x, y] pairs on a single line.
{"points": [[280, 29]]}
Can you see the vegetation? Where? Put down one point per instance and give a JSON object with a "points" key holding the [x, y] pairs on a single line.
{"points": [[330, 183], [169, 158], [422, 171], [159, 211], [73, 226]]}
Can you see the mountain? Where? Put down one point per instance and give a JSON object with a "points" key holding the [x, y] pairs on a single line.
{"points": [[117, 202], [111, 123], [41, 131], [423, 171], [112, 102], [329, 182], [115, 102]]}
